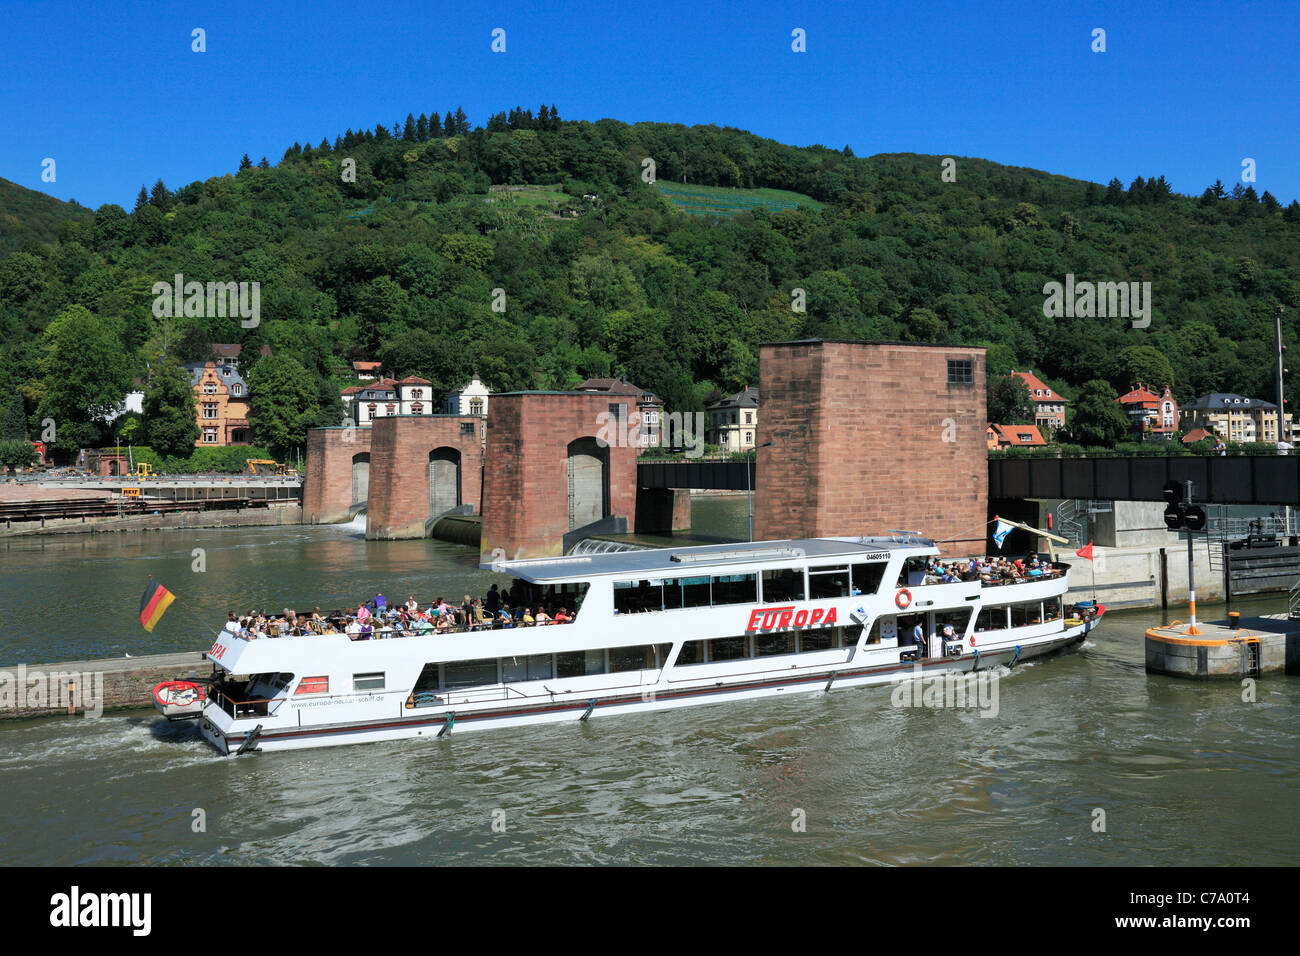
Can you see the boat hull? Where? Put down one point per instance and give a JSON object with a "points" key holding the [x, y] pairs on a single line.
{"points": [[438, 722]]}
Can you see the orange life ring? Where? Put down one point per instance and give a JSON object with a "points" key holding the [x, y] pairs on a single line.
{"points": [[903, 599]]}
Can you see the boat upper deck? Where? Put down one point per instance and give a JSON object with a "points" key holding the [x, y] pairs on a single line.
{"points": [[666, 562]]}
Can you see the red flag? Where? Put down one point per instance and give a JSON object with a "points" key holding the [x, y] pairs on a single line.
{"points": [[1086, 551]]}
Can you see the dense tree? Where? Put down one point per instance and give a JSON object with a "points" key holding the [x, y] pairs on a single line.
{"points": [[170, 420], [141, 199], [15, 454], [1142, 364], [84, 377], [245, 163], [283, 402], [1009, 400], [15, 420], [1096, 416], [160, 196]]}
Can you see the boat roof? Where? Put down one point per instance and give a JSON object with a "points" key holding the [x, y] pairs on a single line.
{"points": [[696, 559]]}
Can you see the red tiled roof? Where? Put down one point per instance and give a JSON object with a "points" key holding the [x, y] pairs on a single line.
{"points": [[1010, 434], [1035, 384], [353, 389], [414, 380], [616, 386], [1195, 435], [367, 366]]}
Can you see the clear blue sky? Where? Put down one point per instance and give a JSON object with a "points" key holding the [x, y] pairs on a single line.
{"points": [[113, 93]]}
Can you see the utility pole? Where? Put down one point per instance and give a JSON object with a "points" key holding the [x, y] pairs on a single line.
{"points": [[1181, 513], [1283, 433]]}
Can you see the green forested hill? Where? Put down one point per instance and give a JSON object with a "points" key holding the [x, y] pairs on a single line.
{"points": [[27, 215], [603, 274]]}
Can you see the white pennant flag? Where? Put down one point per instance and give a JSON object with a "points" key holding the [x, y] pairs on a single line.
{"points": [[1001, 531]]}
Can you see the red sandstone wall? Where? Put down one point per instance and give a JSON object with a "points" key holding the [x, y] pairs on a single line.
{"points": [[327, 487], [869, 438], [398, 502], [525, 485]]}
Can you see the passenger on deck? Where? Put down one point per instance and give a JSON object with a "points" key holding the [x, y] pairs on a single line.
{"points": [[918, 638], [232, 623], [541, 617], [492, 602], [562, 617]]}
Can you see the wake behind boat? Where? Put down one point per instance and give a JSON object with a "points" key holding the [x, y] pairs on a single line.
{"points": [[651, 629]]}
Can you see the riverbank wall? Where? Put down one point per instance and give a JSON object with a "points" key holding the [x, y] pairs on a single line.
{"points": [[276, 514], [92, 687]]}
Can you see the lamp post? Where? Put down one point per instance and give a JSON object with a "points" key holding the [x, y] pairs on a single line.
{"points": [[749, 485]]}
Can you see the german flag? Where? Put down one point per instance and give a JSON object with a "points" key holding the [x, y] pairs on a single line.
{"points": [[156, 599]]}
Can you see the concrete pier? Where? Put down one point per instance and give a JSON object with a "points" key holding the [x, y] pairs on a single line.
{"points": [[1252, 647], [87, 688]]}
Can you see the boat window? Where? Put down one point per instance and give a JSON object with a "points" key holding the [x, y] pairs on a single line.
{"points": [[822, 639], [692, 652], [526, 667], [735, 589], [686, 592], [428, 679], [957, 618], [728, 648], [1028, 613], [371, 681], [570, 664], [828, 583], [568, 595], [913, 572], [313, 685], [992, 619], [783, 584], [767, 644], [639, 657], [631, 597], [469, 673], [867, 577], [1052, 610]]}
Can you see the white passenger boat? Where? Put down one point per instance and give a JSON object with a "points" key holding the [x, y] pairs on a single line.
{"points": [[653, 629]]}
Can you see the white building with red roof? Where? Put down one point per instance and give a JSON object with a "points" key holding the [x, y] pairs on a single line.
{"points": [[1014, 436], [1049, 404], [1150, 413]]}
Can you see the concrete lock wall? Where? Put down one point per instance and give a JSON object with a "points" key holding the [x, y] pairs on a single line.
{"points": [[526, 485], [842, 462], [327, 486], [405, 450], [1129, 570]]}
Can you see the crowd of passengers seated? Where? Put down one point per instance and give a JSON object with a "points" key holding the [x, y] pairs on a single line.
{"points": [[997, 570], [376, 619]]}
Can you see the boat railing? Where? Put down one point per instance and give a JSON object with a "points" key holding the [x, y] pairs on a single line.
{"points": [[468, 695], [398, 633], [246, 707], [1049, 572]]}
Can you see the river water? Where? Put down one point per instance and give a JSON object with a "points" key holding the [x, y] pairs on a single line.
{"points": [[1184, 773]]}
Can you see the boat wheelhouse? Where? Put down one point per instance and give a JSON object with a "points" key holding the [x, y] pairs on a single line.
{"points": [[651, 629]]}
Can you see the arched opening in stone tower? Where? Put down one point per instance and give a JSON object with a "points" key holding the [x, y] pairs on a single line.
{"points": [[588, 465], [444, 480], [360, 477]]}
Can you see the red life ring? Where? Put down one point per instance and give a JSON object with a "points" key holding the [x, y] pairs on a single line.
{"points": [[903, 599]]}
